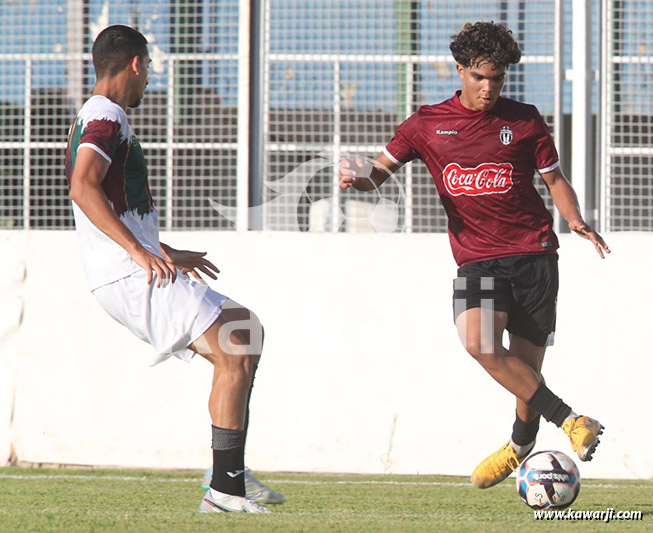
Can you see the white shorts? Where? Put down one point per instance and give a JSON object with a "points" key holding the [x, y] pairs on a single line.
{"points": [[169, 318]]}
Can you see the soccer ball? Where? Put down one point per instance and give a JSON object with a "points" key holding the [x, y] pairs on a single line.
{"points": [[548, 480]]}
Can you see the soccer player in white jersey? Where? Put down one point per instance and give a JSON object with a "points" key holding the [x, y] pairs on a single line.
{"points": [[144, 284]]}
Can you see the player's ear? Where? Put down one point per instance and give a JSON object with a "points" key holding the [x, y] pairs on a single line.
{"points": [[135, 65], [459, 69]]}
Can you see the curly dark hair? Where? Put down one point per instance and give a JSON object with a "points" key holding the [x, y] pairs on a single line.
{"points": [[485, 41]]}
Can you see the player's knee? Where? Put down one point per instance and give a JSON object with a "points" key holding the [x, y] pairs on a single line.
{"points": [[473, 347], [237, 368], [484, 353]]}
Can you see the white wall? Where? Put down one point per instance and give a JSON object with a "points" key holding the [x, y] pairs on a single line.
{"points": [[362, 370], [12, 277]]}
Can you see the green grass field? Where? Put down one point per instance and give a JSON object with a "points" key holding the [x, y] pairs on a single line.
{"points": [[69, 500]]}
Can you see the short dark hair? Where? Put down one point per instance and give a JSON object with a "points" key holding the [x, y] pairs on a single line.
{"points": [[485, 41], [115, 47]]}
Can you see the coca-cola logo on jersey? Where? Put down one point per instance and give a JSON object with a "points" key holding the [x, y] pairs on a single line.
{"points": [[486, 178]]}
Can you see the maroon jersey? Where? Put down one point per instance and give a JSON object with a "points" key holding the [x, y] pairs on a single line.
{"points": [[483, 165]]}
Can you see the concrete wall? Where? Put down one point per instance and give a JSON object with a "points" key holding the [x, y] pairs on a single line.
{"points": [[362, 370]]}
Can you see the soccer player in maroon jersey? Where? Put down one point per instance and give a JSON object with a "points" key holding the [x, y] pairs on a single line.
{"points": [[482, 151]]}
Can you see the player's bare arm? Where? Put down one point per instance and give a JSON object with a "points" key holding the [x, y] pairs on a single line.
{"points": [[566, 201], [86, 191], [365, 175], [189, 262]]}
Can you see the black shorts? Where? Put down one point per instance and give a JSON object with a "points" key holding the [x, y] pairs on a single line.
{"points": [[525, 286]]}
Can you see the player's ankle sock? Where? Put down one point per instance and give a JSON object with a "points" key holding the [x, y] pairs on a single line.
{"points": [[228, 461], [552, 408], [571, 415], [523, 434], [521, 449], [217, 495]]}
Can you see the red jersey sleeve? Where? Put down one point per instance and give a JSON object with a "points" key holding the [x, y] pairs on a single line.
{"points": [[545, 154], [403, 146], [102, 135]]}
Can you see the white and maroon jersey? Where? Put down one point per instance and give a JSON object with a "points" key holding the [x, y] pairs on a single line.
{"points": [[102, 125], [483, 165]]}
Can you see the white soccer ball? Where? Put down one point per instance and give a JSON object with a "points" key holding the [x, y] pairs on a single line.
{"points": [[548, 479]]}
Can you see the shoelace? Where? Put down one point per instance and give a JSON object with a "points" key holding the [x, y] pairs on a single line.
{"points": [[512, 461]]}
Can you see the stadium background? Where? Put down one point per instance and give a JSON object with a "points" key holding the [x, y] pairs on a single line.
{"points": [[241, 94]]}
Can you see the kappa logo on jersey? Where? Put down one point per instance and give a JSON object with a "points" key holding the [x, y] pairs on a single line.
{"points": [[505, 135], [486, 178]]}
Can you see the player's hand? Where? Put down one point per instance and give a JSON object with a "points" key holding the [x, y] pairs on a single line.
{"points": [[192, 263], [352, 169], [152, 263], [586, 232]]}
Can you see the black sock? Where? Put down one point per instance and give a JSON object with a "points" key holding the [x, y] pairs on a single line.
{"points": [[552, 408], [228, 461], [525, 432]]}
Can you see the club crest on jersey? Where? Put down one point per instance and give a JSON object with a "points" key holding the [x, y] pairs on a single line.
{"points": [[486, 178], [505, 135]]}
